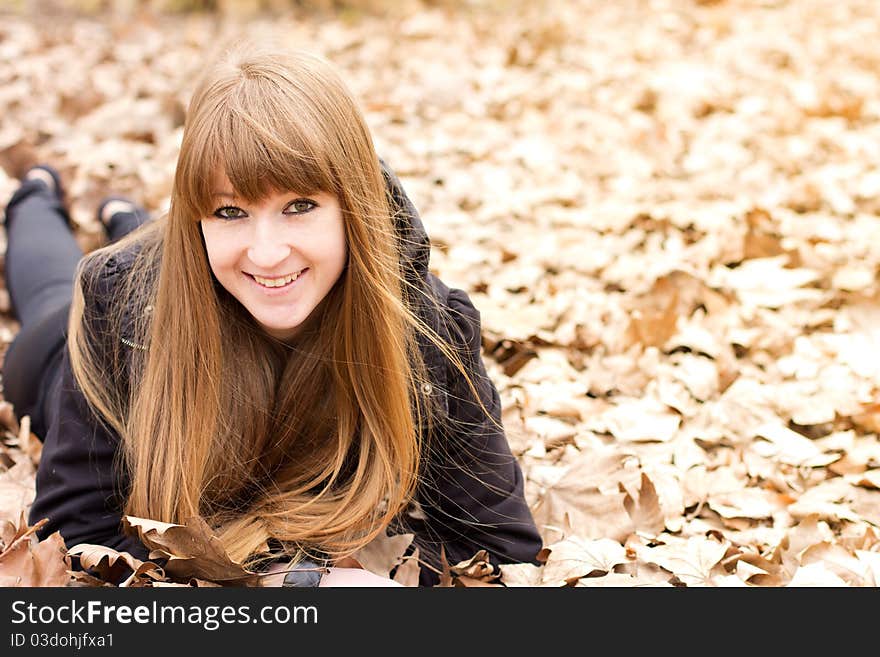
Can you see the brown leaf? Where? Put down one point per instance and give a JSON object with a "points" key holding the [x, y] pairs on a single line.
{"points": [[471, 582], [28, 562], [654, 315], [762, 239], [694, 562], [869, 418], [111, 564], [408, 572], [18, 158], [7, 417], [837, 559], [383, 553], [445, 571], [17, 489], [83, 579], [576, 496], [192, 550], [573, 558], [646, 515], [521, 574], [477, 567]]}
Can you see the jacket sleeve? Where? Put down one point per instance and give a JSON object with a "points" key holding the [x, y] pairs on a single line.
{"points": [[78, 487], [472, 497]]}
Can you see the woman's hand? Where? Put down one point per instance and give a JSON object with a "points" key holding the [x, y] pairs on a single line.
{"points": [[335, 576], [354, 577]]}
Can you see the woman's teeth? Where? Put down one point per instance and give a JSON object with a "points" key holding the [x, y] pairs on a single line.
{"points": [[277, 282]]}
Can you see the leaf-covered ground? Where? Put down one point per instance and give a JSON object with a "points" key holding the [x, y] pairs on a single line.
{"points": [[666, 212]]}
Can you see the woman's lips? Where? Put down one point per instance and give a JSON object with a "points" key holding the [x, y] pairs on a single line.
{"points": [[273, 291]]}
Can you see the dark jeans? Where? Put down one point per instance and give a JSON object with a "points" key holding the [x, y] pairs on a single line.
{"points": [[41, 259]]}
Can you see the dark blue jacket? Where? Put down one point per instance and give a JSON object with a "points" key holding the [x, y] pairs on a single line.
{"points": [[471, 493]]}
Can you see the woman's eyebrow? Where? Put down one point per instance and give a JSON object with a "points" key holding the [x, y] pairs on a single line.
{"points": [[223, 193]]}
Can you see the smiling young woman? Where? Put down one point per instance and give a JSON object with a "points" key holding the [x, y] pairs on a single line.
{"points": [[272, 355]]}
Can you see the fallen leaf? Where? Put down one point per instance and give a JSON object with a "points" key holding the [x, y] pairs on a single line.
{"points": [[645, 513], [573, 558], [383, 553], [815, 575], [192, 550], [477, 567], [576, 500], [694, 563], [111, 564], [521, 574], [407, 573], [28, 562]]}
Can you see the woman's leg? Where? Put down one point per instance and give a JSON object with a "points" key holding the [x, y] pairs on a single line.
{"points": [[120, 216], [41, 260], [41, 252]]}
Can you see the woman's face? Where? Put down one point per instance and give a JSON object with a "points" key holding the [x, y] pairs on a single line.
{"points": [[279, 257]]}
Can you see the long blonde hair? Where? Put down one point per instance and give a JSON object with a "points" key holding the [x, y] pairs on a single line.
{"points": [[315, 445]]}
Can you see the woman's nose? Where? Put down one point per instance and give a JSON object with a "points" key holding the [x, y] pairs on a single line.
{"points": [[267, 250]]}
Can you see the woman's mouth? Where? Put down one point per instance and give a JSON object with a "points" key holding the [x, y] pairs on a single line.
{"points": [[281, 284]]}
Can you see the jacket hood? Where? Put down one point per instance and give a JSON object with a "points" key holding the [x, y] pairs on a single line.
{"points": [[414, 245]]}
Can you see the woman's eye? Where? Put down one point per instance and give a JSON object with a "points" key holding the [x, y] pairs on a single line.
{"points": [[229, 212], [301, 205]]}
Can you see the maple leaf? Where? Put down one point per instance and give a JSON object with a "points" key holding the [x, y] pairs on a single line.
{"points": [[576, 500], [573, 558], [693, 563]]}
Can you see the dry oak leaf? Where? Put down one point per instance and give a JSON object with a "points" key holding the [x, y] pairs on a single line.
{"points": [[768, 282], [29, 562], [408, 572], [111, 564], [762, 240], [192, 550], [478, 567], [383, 553]]}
